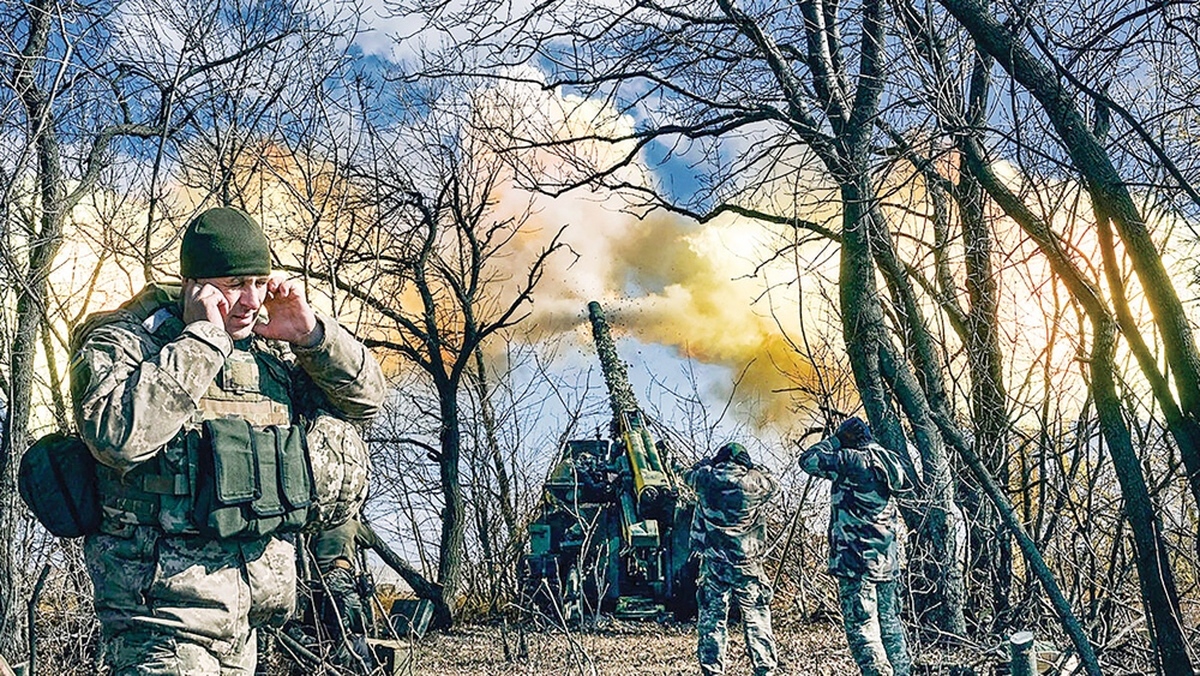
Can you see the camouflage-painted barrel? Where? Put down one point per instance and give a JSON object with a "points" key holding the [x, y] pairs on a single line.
{"points": [[651, 485]]}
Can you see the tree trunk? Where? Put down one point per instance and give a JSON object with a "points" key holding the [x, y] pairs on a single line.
{"points": [[1028, 547], [451, 553], [925, 394], [1155, 576], [44, 241], [989, 400], [866, 340], [977, 326], [488, 420], [424, 589]]}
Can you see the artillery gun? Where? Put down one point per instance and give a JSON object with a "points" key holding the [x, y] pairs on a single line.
{"points": [[612, 529]]}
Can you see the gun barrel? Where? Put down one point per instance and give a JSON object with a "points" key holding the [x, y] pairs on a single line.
{"points": [[620, 393], [650, 483]]}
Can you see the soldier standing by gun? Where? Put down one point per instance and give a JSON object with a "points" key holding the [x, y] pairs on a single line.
{"points": [[865, 547], [729, 531], [186, 397]]}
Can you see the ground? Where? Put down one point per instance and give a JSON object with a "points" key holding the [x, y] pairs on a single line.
{"points": [[616, 648], [622, 649]]}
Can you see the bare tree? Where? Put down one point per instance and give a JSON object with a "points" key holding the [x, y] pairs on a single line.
{"points": [[954, 194], [426, 259], [1112, 203]]}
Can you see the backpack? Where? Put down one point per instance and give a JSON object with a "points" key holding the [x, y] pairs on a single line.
{"points": [[57, 481]]}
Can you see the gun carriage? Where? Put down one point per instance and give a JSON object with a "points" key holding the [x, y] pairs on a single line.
{"points": [[612, 530]]}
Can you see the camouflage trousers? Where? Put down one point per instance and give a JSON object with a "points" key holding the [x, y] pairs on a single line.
{"points": [[871, 616], [345, 618], [749, 587], [185, 605]]}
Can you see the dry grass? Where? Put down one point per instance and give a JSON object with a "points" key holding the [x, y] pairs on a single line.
{"points": [[617, 649]]}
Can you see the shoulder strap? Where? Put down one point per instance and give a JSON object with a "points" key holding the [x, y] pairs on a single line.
{"points": [[151, 299]]}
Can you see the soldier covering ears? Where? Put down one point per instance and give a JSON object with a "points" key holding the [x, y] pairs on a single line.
{"points": [[865, 542], [191, 401]]}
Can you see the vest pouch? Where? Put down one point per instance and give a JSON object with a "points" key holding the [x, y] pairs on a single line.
{"points": [[227, 480], [57, 480], [267, 509], [295, 476], [286, 487], [251, 482]]}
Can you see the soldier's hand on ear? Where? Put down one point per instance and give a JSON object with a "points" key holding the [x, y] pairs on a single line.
{"points": [[723, 455], [202, 301], [289, 316]]}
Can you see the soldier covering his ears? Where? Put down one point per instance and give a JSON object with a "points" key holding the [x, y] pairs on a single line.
{"points": [[729, 530], [865, 542], [191, 403]]}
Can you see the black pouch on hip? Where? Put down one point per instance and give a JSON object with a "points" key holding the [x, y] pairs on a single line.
{"points": [[57, 481]]}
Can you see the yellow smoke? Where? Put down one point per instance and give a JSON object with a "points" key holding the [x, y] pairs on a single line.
{"points": [[662, 279]]}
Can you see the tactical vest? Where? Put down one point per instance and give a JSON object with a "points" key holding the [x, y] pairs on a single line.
{"points": [[237, 469]]}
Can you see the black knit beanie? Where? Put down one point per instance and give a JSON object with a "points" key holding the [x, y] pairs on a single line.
{"points": [[223, 242]]}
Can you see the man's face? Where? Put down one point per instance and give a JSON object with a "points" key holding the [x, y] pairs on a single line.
{"points": [[245, 296]]}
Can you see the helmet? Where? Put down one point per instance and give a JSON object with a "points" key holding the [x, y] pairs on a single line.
{"points": [[733, 452], [341, 468]]}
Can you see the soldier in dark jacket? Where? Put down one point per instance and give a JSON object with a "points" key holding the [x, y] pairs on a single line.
{"points": [[729, 531], [865, 542]]}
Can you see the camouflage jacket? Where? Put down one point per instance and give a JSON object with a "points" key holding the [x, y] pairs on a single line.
{"points": [[730, 522], [138, 376], [865, 530]]}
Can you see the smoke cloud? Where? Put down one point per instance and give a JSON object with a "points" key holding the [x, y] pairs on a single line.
{"points": [[662, 279]]}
